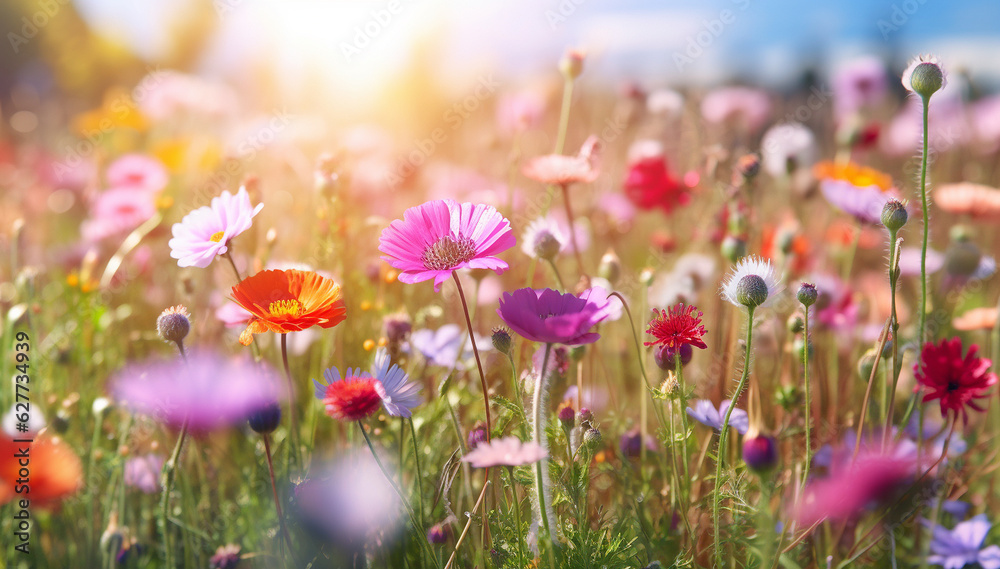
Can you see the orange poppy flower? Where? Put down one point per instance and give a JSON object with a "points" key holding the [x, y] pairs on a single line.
{"points": [[855, 174], [976, 319], [54, 470], [976, 200], [288, 301]]}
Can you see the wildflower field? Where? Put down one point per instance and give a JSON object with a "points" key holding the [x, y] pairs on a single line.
{"points": [[561, 321]]}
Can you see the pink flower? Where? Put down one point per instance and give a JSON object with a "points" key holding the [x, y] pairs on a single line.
{"points": [[137, 172], [872, 478], [555, 318], [752, 106], [859, 84], [508, 451], [205, 233], [116, 211], [561, 170], [441, 236]]}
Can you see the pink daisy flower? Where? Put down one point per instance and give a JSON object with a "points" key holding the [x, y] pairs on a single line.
{"points": [[554, 318], [441, 236], [138, 172], [508, 451], [205, 233]]}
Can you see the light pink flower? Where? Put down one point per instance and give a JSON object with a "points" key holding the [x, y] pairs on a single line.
{"points": [[117, 211], [137, 172], [751, 106], [508, 451], [561, 170], [205, 233], [441, 236]]}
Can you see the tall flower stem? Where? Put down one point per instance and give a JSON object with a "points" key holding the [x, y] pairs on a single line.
{"points": [[555, 270], [169, 473], [517, 516], [572, 231], [539, 433], [723, 437], [416, 458], [922, 312], [229, 257], [679, 370], [567, 101], [274, 490], [894, 329], [805, 380], [293, 424]]}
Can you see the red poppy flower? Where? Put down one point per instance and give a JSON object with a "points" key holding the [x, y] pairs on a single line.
{"points": [[55, 470], [288, 301], [650, 185], [677, 326], [955, 380]]}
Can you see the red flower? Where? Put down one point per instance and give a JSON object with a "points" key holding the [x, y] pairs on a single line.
{"points": [[353, 398], [649, 185], [956, 380], [676, 326]]}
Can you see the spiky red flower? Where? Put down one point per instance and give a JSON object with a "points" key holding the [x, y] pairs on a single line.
{"points": [[352, 398], [678, 325], [955, 380]]}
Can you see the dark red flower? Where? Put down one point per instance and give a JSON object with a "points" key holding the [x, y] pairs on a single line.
{"points": [[649, 185], [956, 380], [678, 325], [353, 398]]}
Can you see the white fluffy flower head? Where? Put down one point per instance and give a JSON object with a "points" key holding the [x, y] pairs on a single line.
{"points": [[752, 283]]}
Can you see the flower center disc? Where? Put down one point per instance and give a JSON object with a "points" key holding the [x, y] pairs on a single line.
{"points": [[448, 252], [285, 308], [217, 236]]}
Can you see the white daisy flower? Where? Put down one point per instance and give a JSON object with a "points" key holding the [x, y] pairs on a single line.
{"points": [[543, 239], [751, 284]]}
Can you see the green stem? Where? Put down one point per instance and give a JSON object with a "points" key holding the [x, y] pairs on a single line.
{"points": [[684, 425], [293, 424], [517, 516], [277, 501], [416, 458], [555, 270], [540, 465], [805, 380], [169, 473], [894, 324], [567, 101], [926, 225], [723, 436]]}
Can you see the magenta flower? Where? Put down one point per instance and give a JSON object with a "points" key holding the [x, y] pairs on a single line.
{"points": [[441, 236], [554, 318], [207, 390], [508, 451], [871, 479], [205, 233], [137, 172]]}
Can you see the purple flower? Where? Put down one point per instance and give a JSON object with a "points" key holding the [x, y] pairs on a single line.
{"points": [[207, 390], [117, 211], [962, 545], [447, 345], [706, 414], [143, 472], [864, 203], [347, 500], [859, 84], [205, 233], [554, 318], [399, 394], [508, 451]]}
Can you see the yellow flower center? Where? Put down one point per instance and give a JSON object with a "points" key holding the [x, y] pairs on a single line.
{"points": [[285, 308], [217, 236]]}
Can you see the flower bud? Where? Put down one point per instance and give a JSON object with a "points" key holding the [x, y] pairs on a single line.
{"points": [[760, 453], [571, 65], [924, 76], [592, 439], [962, 259], [567, 416], [866, 364], [477, 435], [501, 340], [733, 248], [266, 419], [751, 291], [437, 534], [894, 215], [610, 267], [630, 443], [807, 294], [585, 415], [173, 324], [747, 168], [546, 246], [795, 324], [666, 356]]}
